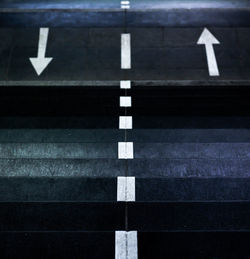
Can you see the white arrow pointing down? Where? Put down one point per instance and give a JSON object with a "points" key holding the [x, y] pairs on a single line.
{"points": [[208, 39], [41, 62]]}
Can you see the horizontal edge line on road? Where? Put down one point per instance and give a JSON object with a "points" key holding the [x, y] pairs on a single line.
{"points": [[129, 153], [116, 83], [56, 231], [138, 178], [118, 9], [111, 231], [115, 202], [191, 82], [187, 231], [59, 10], [171, 202], [61, 83]]}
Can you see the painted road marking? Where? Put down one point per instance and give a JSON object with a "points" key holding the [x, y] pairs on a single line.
{"points": [[125, 51], [125, 101], [125, 84], [41, 62], [125, 188], [126, 150], [125, 4], [126, 245], [208, 39], [125, 122]]}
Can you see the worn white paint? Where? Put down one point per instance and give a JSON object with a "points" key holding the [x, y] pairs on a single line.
{"points": [[132, 245], [126, 150], [120, 245], [125, 188], [41, 62], [125, 4], [126, 245], [125, 51], [208, 39], [125, 101], [125, 122], [125, 84]]}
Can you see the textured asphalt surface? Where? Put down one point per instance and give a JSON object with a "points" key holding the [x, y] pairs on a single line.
{"points": [[59, 170], [59, 132]]}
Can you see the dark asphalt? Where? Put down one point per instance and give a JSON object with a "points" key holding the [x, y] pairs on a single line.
{"points": [[94, 54], [59, 132]]}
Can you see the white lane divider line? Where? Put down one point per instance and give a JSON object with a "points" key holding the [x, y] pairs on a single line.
{"points": [[125, 84], [125, 4], [125, 51], [125, 188], [208, 39], [125, 101], [125, 122], [126, 245], [41, 62], [125, 150]]}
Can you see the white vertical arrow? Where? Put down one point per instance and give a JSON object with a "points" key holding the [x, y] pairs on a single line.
{"points": [[208, 39], [41, 62]]}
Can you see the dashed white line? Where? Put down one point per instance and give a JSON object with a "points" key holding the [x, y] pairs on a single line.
{"points": [[126, 150], [125, 122], [126, 245], [125, 188], [125, 51], [125, 101], [125, 84]]}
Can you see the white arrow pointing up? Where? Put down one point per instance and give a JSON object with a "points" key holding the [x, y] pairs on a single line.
{"points": [[208, 39], [41, 62]]}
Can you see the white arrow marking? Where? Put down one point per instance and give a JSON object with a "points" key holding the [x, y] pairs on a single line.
{"points": [[41, 62], [208, 39]]}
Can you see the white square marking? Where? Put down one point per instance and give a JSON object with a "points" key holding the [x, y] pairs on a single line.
{"points": [[125, 101], [125, 122], [125, 84], [125, 188], [126, 150]]}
